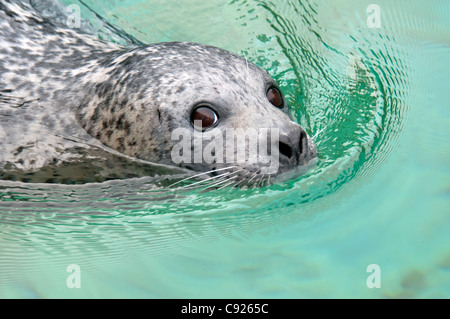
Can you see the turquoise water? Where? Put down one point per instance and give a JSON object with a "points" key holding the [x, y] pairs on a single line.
{"points": [[375, 98]]}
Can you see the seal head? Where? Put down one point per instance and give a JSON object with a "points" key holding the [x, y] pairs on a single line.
{"points": [[149, 92]]}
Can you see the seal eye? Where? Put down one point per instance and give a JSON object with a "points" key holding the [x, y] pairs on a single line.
{"points": [[203, 117], [274, 97]]}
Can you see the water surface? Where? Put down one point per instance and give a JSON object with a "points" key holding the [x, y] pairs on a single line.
{"points": [[376, 100]]}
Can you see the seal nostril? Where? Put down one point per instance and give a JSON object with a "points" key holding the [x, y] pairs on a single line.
{"points": [[285, 149], [301, 142]]}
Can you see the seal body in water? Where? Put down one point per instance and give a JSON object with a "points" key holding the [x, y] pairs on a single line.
{"points": [[67, 97]]}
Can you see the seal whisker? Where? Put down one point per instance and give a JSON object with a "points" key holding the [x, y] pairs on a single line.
{"points": [[317, 133], [230, 176], [221, 176], [229, 184], [260, 181], [268, 180], [246, 63], [200, 174], [254, 175], [218, 179], [221, 182]]}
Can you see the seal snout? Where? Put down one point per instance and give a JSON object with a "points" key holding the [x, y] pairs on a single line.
{"points": [[294, 146]]}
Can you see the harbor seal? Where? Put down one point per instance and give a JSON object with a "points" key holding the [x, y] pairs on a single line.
{"points": [[66, 96]]}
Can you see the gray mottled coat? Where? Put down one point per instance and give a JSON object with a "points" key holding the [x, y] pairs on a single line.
{"points": [[64, 94]]}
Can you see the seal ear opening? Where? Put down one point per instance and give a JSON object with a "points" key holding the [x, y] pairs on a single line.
{"points": [[8, 98]]}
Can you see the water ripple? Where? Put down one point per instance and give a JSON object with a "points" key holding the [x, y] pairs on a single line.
{"points": [[346, 83]]}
